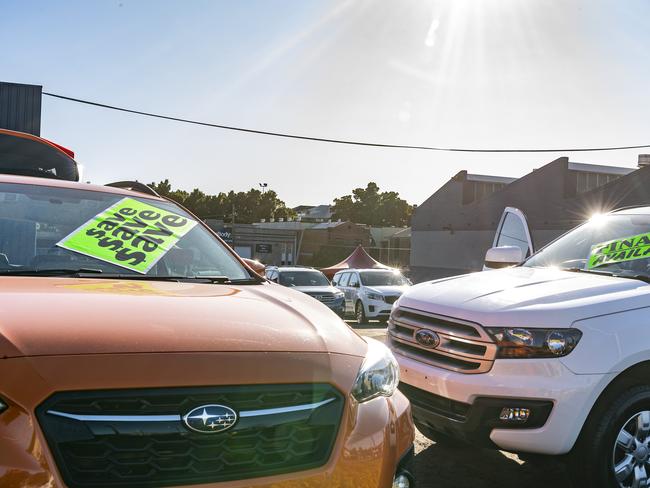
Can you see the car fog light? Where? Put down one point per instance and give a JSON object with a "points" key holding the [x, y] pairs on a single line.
{"points": [[514, 415], [402, 480]]}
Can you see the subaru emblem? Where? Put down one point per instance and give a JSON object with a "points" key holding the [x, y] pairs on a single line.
{"points": [[210, 419]]}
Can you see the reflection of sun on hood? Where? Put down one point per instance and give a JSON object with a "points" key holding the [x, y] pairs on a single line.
{"points": [[388, 290], [541, 297], [316, 289], [52, 316]]}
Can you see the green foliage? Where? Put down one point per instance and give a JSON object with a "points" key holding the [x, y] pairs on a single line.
{"points": [[249, 207], [372, 207]]}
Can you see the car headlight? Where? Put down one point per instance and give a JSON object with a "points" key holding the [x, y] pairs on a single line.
{"points": [[379, 373], [3, 406], [534, 343], [339, 294], [375, 296]]}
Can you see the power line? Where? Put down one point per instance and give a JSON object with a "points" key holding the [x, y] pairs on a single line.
{"points": [[341, 141]]}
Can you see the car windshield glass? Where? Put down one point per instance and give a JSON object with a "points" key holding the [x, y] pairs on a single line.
{"points": [[382, 278], [617, 244], [303, 278], [47, 228]]}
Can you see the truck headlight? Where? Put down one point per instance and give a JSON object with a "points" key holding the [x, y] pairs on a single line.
{"points": [[534, 343], [375, 296], [379, 373]]}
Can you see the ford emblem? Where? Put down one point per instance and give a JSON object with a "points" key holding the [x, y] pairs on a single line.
{"points": [[427, 338], [210, 419]]}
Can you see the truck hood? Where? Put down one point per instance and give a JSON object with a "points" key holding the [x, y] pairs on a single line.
{"points": [[62, 316], [534, 297]]}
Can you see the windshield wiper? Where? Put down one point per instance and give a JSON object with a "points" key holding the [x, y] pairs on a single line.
{"points": [[590, 271], [220, 280], [640, 277], [49, 272]]}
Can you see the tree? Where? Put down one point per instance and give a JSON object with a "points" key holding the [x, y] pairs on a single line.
{"points": [[249, 207], [372, 207]]}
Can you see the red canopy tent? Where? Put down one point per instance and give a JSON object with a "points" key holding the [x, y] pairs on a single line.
{"points": [[359, 259]]}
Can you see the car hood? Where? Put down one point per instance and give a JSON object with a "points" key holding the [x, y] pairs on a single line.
{"points": [[315, 289], [388, 290], [60, 316], [534, 297]]}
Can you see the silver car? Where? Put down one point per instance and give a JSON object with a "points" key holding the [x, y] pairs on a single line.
{"points": [[370, 293]]}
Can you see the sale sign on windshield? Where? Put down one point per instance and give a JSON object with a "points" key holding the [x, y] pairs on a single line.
{"points": [[130, 234], [620, 250]]}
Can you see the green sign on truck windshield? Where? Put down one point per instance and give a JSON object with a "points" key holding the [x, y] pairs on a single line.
{"points": [[130, 234], [620, 250]]}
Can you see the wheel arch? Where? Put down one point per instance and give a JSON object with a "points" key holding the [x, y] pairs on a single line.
{"points": [[634, 375]]}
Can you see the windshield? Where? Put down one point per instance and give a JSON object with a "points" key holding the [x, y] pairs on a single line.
{"points": [[616, 244], [46, 228], [382, 278], [303, 278]]}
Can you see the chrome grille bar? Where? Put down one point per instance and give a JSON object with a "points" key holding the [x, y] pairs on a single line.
{"points": [[464, 346]]}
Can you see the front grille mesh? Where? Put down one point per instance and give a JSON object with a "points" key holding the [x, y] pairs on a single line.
{"points": [[324, 297], [464, 347], [111, 454]]}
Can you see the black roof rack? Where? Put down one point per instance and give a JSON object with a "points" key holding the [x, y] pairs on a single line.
{"points": [[134, 186]]}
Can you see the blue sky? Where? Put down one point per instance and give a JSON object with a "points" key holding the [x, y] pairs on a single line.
{"points": [[473, 73]]}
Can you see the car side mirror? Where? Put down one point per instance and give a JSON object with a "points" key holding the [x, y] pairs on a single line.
{"points": [[334, 283], [356, 285], [502, 257]]}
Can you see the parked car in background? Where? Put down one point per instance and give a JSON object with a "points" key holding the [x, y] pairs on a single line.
{"points": [[309, 281], [29, 155], [551, 356], [137, 349], [370, 293]]}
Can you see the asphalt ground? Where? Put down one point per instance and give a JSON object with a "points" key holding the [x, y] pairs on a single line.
{"points": [[439, 466]]}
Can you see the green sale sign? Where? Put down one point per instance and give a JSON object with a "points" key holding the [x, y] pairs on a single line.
{"points": [[130, 234], [620, 250]]}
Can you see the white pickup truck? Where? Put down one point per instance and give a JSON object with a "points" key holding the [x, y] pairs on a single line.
{"points": [[549, 356]]}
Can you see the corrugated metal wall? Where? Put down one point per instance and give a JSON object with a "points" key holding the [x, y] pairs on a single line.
{"points": [[20, 107]]}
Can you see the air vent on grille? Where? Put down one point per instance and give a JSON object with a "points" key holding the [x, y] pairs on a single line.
{"points": [[282, 428], [462, 346]]}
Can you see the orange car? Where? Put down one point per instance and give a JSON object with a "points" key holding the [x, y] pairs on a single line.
{"points": [[137, 350]]}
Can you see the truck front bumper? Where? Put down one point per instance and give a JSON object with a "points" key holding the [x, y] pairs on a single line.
{"points": [[468, 406]]}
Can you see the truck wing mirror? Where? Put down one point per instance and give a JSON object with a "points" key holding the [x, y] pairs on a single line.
{"points": [[502, 257]]}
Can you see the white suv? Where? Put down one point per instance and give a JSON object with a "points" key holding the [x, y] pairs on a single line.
{"points": [[551, 356], [370, 293]]}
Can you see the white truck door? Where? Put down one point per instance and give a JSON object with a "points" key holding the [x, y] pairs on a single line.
{"points": [[513, 230]]}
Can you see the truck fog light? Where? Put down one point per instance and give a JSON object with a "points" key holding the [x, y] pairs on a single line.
{"points": [[514, 415], [402, 480]]}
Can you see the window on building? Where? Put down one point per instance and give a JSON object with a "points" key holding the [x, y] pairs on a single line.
{"points": [[587, 181], [477, 190]]}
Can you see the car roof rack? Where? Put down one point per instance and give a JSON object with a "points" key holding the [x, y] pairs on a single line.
{"points": [[134, 186]]}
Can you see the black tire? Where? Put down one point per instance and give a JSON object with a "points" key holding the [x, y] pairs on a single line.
{"points": [[359, 313], [439, 438], [591, 463]]}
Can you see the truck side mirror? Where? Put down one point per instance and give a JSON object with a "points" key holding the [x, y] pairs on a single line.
{"points": [[502, 257]]}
